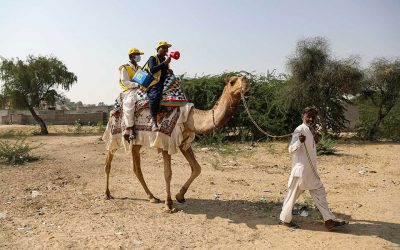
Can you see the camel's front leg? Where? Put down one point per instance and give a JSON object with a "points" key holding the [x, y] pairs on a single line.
{"points": [[107, 169], [138, 172], [196, 170], [167, 176]]}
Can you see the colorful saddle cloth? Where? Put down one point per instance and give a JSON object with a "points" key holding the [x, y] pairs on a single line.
{"points": [[173, 96], [174, 112], [171, 137]]}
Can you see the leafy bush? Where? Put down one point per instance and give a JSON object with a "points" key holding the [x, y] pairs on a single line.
{"points": [[326, 146], [100, 127], [211, 140], [18, 152], [77, 126], [35, 132], [11, 134]]}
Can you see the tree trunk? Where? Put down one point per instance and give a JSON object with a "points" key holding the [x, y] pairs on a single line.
{"points": [[43, 127], [324, 128], [381, 115], [372, 131]]}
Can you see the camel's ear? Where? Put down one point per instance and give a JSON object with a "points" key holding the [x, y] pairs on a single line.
{"points": [[227, 78]]}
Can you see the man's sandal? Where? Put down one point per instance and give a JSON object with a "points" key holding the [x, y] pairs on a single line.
{"points": [[129, 135], [333, 224], [291, 224], [154, 128]]}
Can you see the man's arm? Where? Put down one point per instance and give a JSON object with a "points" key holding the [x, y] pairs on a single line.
{"points": [[297, 141], [155, 68], [126, 81]]}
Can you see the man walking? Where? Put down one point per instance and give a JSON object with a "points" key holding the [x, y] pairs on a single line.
{"points": [[304, 175]]}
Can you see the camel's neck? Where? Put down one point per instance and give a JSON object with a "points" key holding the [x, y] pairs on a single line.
{"points": [[206, 121]]}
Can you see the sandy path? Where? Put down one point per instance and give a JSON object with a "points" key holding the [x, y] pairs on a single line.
{"points": [[71, 211]]}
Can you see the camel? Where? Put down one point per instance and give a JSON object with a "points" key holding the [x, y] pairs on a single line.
{"points": [[200, 122]]}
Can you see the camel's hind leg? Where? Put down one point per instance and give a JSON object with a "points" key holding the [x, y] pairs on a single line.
{"points": [[168, 177], [107, 169], [196, 170], [138, 172]]}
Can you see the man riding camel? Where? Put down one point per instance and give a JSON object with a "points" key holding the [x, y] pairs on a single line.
{"points": [[158, 66], [127, 71]]}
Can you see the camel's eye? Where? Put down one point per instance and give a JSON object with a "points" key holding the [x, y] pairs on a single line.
{"points": [[232, 82]]}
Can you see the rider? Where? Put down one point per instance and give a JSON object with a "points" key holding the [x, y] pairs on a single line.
{"points": [[158, 66], [127, 71]]}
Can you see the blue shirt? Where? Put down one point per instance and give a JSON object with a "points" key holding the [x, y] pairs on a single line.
{"points": [[154, 68]]}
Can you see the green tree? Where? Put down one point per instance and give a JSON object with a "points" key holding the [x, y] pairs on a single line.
{"points": [[266, 104], [34, 82], [382, 88], [323, 82], [204, 91]]}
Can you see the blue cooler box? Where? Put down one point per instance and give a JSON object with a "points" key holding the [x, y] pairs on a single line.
{"points": [[142, 78]]}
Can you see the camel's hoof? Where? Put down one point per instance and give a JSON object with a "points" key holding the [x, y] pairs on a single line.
{"points": [[180, 198], [109, 197], [169, 203], [154, 200], [170, 210]]}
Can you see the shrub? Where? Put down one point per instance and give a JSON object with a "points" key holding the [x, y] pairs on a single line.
{"points": [[77, 126], [326, 146], [11, 134], [18, 152], [100, 127]]}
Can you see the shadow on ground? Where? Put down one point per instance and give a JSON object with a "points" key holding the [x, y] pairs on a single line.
{"points": [[254, 213]]}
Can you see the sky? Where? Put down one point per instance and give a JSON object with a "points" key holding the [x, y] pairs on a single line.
{"points": [[93, 37]]}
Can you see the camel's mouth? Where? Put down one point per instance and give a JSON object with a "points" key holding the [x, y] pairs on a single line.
{"points": [[243, 85]]}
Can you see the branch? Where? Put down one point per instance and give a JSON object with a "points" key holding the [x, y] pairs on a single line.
{"points": [[44, 94]]}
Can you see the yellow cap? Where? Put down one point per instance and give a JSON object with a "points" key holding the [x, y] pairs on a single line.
{"points": [[135, 51], [162, 43]]}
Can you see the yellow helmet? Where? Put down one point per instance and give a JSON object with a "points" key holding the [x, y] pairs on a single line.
{"points": [[162, 43], [135, 51]]}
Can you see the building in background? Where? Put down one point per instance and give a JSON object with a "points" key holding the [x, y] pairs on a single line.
{"points": [[53, 116]]}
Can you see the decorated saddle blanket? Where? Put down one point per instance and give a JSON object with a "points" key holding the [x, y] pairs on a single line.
{"points": [[167, 119], [173, 96], [174, 112], [171, 137]]}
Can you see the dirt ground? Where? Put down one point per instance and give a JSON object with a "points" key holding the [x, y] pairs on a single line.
{"points": [[58, 202]]}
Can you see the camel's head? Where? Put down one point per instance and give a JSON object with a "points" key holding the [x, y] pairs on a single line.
{"points": [[234, 83]]}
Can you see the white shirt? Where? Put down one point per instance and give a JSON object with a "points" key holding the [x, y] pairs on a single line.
{"points": [[303, 165], [125, 77]]}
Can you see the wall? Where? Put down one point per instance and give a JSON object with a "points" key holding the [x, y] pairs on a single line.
{"points": [[54, 117]]}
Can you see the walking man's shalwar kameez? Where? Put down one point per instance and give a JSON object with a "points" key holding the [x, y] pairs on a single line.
{"points": [[304, 176]]}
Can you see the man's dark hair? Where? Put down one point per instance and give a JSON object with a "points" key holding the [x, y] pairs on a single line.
{"points": [[310, 110]]}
